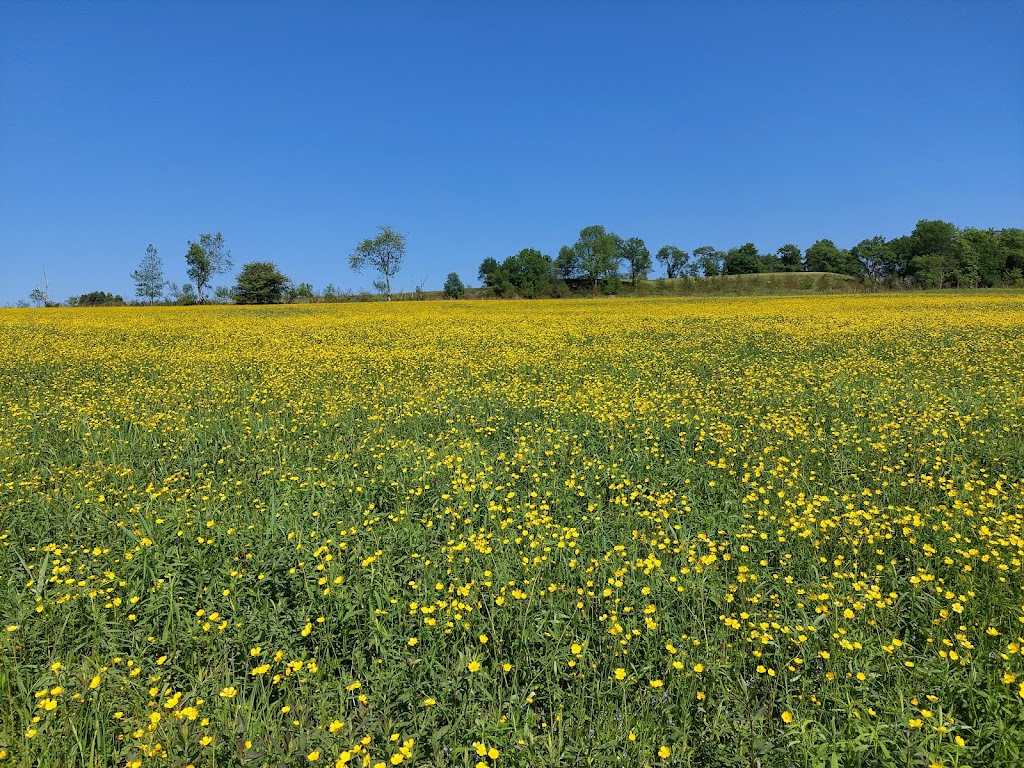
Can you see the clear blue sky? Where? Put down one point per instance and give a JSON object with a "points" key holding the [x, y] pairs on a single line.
{"points": [[481, 128]]}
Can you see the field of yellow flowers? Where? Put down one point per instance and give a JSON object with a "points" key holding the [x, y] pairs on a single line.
{"points": [[773, 531]]}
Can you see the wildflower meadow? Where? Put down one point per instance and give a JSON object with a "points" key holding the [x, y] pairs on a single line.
{"points": [[760, 531]]}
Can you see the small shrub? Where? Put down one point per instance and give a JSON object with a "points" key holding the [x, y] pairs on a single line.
{"points": [[454, 287]]}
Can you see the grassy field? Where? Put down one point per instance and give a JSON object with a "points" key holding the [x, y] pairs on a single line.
{"points": [[736, 531]]}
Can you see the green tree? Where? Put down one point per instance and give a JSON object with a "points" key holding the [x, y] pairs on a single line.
{"points": [[875, 257], [487, 269], [205, 259], [771, 262], [188, 295], [493, 276], [593, 258], [673, 259], [966, 262], [382, 254], [198, 267], [744, 260], [96, 299], [1011, 241], [453, 287], [184, 295], [934, 236], [991, 257], [824, 256], [901, 251], [791, 258], [149, 277], [934, 258], [709, 260], [634, 251], [529, 272], [300, 291], [260, 282]]}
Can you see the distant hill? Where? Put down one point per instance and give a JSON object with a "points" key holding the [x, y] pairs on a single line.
{"points": [[757, 283]]}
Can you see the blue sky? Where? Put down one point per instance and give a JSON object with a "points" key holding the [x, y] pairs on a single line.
{"points": [[482, 128]]}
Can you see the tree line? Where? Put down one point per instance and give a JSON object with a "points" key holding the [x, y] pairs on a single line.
{"points": [[936, 254]]}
